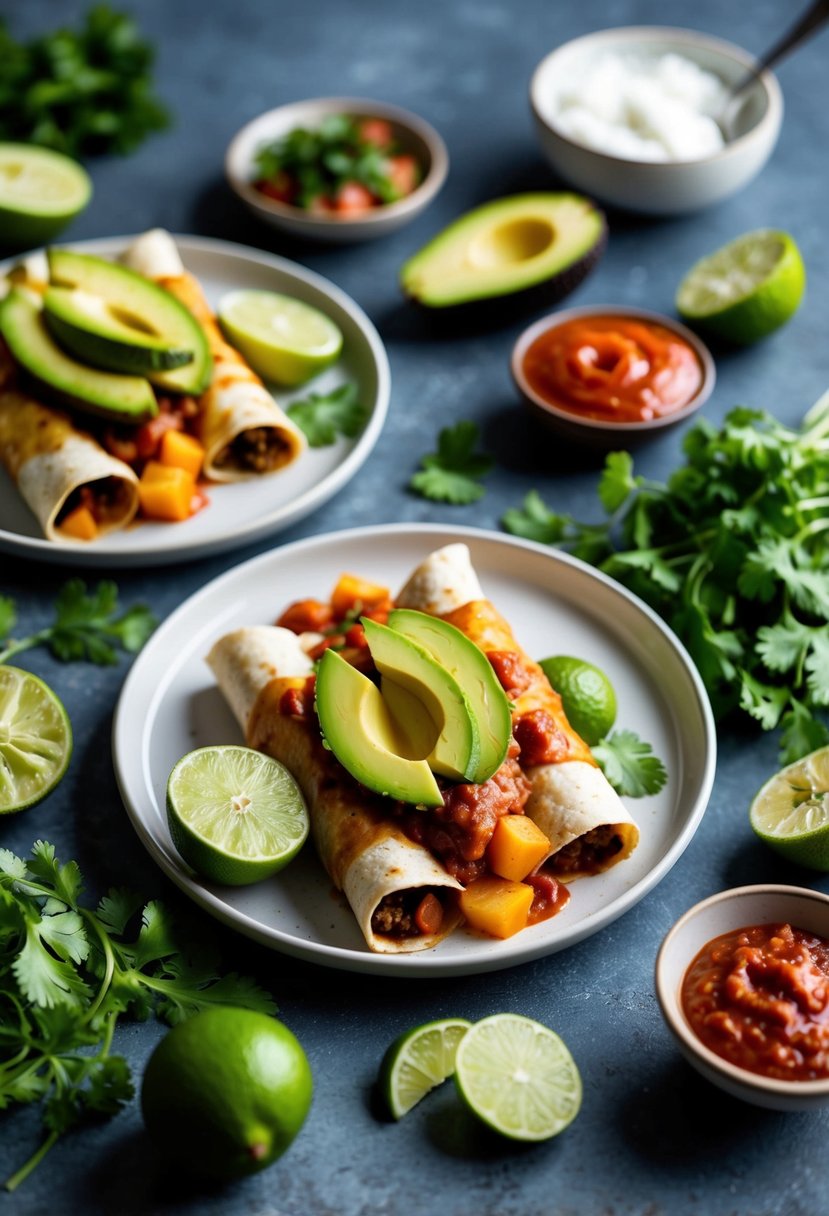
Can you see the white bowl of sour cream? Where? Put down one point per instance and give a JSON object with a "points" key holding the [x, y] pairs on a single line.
{"points": [[630, 116]]}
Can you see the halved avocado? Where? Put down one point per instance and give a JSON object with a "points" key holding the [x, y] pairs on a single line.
{"points": [[93, 331], [539, 243], [401, 661], [135, 303], [127, 399], [364, 737], [474, 672]]}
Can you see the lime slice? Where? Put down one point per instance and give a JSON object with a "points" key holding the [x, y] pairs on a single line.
{"points": [[791, 811], [282, 338], [518, 1077], [35, 740], [586, 694], [235, 815], [418, 1061], [40, 192], [745, 290]]}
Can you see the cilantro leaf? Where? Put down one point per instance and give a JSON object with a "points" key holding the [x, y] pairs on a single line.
{"points": [[324, 416], [535, 521], [629, 764], [452, 473], [88, 627], [617, 482]]}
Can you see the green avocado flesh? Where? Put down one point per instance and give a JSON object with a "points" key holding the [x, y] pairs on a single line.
{"points": [[470, 667], [127, 399], [364, 737], [113, 314], [401, 661], [506, 247]]}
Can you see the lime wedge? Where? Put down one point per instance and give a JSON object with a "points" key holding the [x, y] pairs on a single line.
{"points": [[283, 339], [791, 811], [418, 1061], [586, 695], [35, 740], [745, 290], [235, 815], [40, 192], [518, 1077]]}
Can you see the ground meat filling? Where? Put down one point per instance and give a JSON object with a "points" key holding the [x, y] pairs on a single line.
{"points": [[105, 499], [408, 914], [256, 450], [586, 852]]}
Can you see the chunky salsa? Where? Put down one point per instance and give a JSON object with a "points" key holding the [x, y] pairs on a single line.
{"points": [[759, 997], [613, 368]]}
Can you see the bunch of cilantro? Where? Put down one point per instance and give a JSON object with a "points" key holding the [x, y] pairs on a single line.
{"points": [[68, 974], [80, 91], [733, 551]]}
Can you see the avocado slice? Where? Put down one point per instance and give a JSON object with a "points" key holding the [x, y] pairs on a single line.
{"points": [[87, 327], [401, 661], [539, 244], [127, 399], [364, 737], [135, 303], [474, 672]]}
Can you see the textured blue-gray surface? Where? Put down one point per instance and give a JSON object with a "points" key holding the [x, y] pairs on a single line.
{"points": [[652, 1138]]}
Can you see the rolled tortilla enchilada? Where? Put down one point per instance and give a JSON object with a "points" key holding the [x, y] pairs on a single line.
{"points": [[75, 489], [587, 824], [242, 429], [264, 673]]}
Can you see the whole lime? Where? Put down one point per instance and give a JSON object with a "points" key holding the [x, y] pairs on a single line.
{"points": [[586, 694], [225, 1093]]}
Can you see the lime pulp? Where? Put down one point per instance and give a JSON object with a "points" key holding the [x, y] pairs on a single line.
{"points": [[747, 289], [418, 1061], [518, 1077], [35, 740], [235, 815], [40, 192], [283, 339], [586, 694], [791, 811]]}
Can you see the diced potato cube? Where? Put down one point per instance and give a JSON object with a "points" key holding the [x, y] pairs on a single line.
{"points": [[79, 524], [166, 492], [351, 591], [516, 848], [181, 451], [497, 906]]}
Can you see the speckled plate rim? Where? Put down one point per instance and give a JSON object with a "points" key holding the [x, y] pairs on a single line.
{"points": [[225, 603], [155, 544]]}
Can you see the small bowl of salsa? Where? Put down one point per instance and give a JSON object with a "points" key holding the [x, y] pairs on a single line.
{"points": [[742, 980], [608, 376]]}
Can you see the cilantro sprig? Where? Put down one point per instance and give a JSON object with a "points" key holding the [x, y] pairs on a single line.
{"points": [[733, 551], [68, 974], [629, 764], [86, 626], [323, 416], [452, 473]]}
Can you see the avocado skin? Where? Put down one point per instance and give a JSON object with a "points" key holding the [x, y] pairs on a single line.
{"points": [[126, 358], [128, 399], [508, 302]]}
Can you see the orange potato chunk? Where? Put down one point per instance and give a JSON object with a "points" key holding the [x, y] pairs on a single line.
{"points": [[351, 591], [166, 492], [79, 524], [516, 847], [181, 451], [497, 906]]}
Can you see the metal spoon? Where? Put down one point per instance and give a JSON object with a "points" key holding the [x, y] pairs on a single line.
{"points": [[812, 20]]}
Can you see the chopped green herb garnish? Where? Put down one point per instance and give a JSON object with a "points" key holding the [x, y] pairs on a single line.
{"points": [[452, 473], [629, 764], [324, 416], [86, 626]]}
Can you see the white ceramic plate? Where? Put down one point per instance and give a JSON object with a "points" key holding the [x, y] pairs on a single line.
{"points": [[241, 513], [556, 605]]}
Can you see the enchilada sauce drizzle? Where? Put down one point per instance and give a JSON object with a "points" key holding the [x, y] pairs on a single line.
{"points": [[759, 997]]}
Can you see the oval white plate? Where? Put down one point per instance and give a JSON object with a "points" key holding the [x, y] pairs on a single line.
{"points": [[245, 512], [556, 605]]}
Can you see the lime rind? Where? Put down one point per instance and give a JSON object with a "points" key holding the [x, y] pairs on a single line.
{"points": [[791, 811], [285, 340], [418, 1061], [518, 1077], [586, 693], [35, 739]]}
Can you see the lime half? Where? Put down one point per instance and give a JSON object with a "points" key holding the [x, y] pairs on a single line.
{"points": [[35, 740], [518, 1077], [235, 815], [40, 192], [745, 290], [418, 1061], [283, 339], [586, 694], [791, 811]]}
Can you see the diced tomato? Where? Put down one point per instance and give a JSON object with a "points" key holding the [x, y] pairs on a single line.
{"points": [[375, 131], [404, 174], [356, 636], [353, 198], [321, 205], [307, 616], [334, 639], [149, 435], [281, 188], [121, 445]]}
